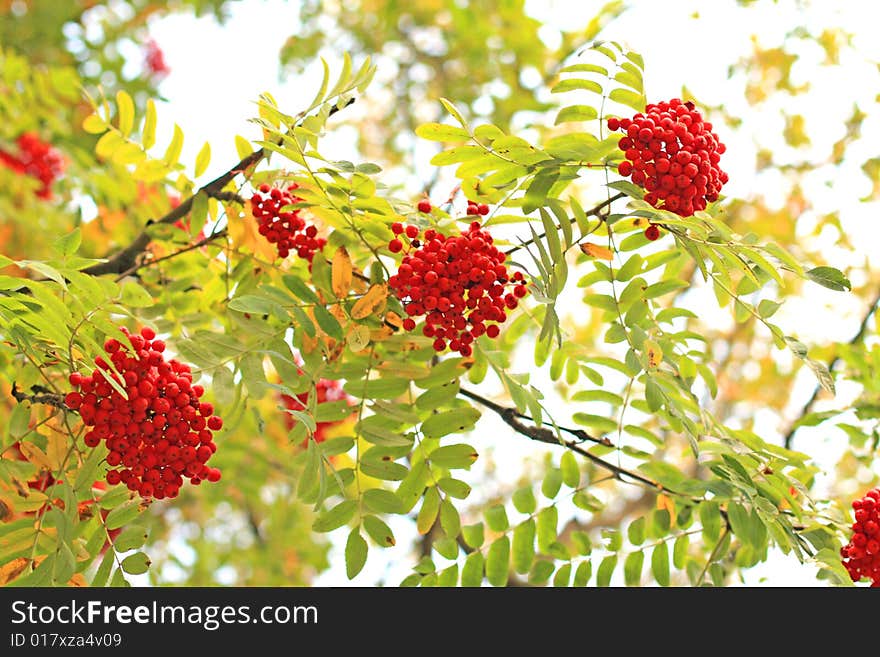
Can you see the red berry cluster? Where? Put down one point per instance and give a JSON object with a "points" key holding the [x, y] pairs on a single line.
{"points": [[37, 159], [162, 433], [457, 282], [673, 154], [155, 59], [861, 556], [326, 390], [287, 230]]}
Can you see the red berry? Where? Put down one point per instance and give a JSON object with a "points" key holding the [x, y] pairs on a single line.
{"points": [[395, 246], [424, 206], [483, 209], [652, 232], [397, 228]]}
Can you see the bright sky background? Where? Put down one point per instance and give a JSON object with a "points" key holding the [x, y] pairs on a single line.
{"points": [[218, 71]]}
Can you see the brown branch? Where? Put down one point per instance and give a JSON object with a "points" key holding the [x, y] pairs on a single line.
{"points": [[40, 395], [594, 212], [855, 339], [510, 417], [127, 257]]}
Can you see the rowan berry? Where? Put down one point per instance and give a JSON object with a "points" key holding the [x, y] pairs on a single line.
{"points": [[861, 556], [652, 232], [36, 159], [424, 206], [458, 283], [285, 228], [673, 154], [162, 424]]}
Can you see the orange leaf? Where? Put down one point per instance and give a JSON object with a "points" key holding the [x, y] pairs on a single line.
{"points": [[243, 233], [596, 251], [35, 455], [12, 569], [666, 502], [393, 320], [371, 302], [341, 272]]}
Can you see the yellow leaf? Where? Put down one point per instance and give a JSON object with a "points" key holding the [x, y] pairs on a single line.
{"points": [[243, 233], [666, 502], [596, 251], [35, 455], [654, 353], [373, 301], [381, 333], [341, 273], [56, 450], [393, 321], [12, 569], [358, 337]]}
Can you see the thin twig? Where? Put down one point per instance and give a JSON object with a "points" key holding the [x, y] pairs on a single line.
{"points": [[40, 395], [855, 339]]}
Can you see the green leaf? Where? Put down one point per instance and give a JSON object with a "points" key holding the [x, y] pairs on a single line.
{"points": [[679, 551], [456, 420], [551, 484], [335, 517], [172, 153], [632, 568], [382, 501], [148, 134], [574, 113], [710, 518], [123, 514], [563, 575], [131, 538], [454, 487], [450, 521], [578, 83], [428, 511], [660, 563], [379, 531], [459, 456], [441, 132], [355, 553], [829, 277], [606, 570], [571, 473], [125, 107], [203, 159], [524, 500], [582, 573], [68, 244], [473, 534], [472, 571], [136, 564], [636, 531], [548, 519], [453, 111], [524, 546], [629, 98], [498, 561], [496, 518]]}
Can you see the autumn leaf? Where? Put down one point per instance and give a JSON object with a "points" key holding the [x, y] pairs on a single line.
{"points": [[243, 233], [341, 273], [371, 302], [596, 251]]}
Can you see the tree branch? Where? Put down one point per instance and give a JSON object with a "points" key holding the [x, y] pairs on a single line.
{"points": [[510, 417], [40, 395], [855, 339], [127, 257]]}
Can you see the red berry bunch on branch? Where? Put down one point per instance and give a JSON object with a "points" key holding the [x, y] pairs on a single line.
{"points": [[158, 436], [861, 556], [155, 59], [286, 229], [326, 390], [672, 154], [460, 284], [36, 159]]}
